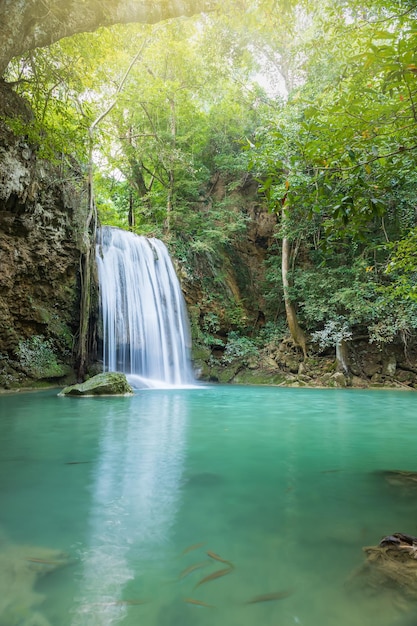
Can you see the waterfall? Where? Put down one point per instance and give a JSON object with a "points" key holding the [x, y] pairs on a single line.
{"points": [[144, 320]]}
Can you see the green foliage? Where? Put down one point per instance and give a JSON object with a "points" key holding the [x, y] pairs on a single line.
{"points": [[334, 332], [240, 348], [272, 333], [37, 357], [334, 151], [402, 269]]}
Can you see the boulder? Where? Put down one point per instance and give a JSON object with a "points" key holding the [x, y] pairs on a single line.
{"points": [[390, 566], [104, 384], [389, 366]]}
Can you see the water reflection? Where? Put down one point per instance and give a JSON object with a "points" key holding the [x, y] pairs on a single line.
{"points": [[134, 503]]}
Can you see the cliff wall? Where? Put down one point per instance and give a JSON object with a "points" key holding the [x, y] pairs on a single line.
{"points": [[41, 206]]}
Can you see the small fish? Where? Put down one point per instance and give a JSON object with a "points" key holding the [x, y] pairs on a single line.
{"points": [[330, 471], [192, 568], [199, 603], [116, 603], [216, 557], [268, 597], [130, 602], [214, 575], [42, 561], [76, 462], [195, 546]]}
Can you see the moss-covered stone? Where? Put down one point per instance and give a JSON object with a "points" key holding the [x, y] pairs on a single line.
{"points": [[104, 384], [258, 377]]}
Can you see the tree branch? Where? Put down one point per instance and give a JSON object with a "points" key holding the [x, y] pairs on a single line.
{"points": [[29, 24], [362, 163]]}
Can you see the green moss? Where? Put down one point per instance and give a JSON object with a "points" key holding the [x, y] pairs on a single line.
{"points": [[104, 384], [258, 377]]}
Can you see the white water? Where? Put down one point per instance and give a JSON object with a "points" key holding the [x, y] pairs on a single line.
{"points": [[144, 318]]}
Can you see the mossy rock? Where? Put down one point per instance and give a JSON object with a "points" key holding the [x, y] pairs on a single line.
{"points": [[258, 377], [104, 384]]}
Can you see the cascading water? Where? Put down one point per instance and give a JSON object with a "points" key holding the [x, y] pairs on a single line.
{"points": [[144, 318]]}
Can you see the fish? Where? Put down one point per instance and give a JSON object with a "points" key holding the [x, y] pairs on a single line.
{"points": [[216, 557], [268, 597], [76, 462], [199, 603], [195, 546], [42, 561], [130, 602], [218, 574], [115, 603], [330, 471], [192, 568]]}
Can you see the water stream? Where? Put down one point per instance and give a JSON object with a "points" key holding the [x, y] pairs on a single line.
{"points": [[144, 320]]}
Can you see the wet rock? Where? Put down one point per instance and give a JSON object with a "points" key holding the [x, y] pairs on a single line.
{"points": [[205, 479], [338, 379], [391, 565], [104, 384], [399, 478], [21, 567]]}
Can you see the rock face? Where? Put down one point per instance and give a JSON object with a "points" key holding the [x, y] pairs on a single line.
{"points": [[236, 273], [40, 206], [105, 384]]}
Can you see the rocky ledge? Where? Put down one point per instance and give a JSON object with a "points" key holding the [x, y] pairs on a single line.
{"points": [[105, 384]]}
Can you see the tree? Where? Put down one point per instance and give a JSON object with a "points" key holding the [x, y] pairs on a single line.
{"points": [[340, 155], [31, 24]]}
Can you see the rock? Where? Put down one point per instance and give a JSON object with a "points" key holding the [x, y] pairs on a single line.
{"points": [[400, 478], [40, 209], [389, 366], [292, 364], [302, 369], [371, 368], [390, 566], [268, 362], [339, 379], [21, 567], [359, 382], [405, 377], [104, 384]]}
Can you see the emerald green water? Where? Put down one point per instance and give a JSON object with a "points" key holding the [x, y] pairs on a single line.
{"points": [[280, 482]]}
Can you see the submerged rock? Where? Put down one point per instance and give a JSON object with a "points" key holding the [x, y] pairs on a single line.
{"points": [[104, 384], [21, 567], [391, 565], [399, 478]]}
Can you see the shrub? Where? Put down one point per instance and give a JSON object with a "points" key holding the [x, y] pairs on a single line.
{"points": [[239, 347], [36, 356]]}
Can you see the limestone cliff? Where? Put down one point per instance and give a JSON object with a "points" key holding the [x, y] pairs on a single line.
{"points": [[40, 207]]}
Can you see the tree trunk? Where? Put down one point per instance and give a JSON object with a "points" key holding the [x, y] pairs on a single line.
{"points": [[29, 24], [131, 216], [296, 331], [171, 178]]}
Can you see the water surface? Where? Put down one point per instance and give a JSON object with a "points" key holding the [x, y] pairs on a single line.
{"points": [[280, 482]]}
